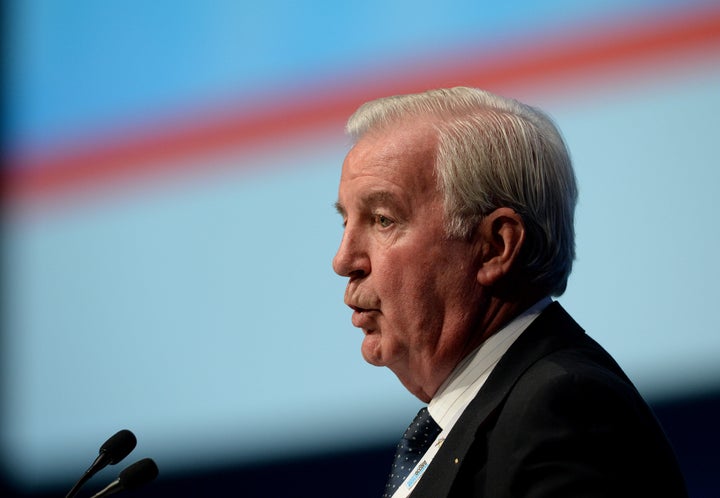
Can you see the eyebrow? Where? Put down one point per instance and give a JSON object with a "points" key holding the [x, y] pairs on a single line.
{"points": [[379, 197]]}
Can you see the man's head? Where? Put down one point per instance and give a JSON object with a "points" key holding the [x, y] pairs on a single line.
{"points": [[458, 209]]}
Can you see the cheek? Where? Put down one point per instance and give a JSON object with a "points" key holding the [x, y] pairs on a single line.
{"points": [[415, 312], [418, 281], [427, 290]]}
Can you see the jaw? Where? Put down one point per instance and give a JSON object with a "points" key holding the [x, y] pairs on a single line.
{"points": [[423, 376], [415, 383]]}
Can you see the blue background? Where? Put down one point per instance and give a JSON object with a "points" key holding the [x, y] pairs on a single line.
{"points": [[196, 304]]}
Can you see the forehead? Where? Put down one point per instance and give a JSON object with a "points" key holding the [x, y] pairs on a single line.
{"points": [[401, 156]]}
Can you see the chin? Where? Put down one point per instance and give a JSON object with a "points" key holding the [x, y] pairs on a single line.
{"points": [[372, 350]]}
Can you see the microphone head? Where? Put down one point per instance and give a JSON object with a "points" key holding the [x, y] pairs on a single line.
{"points": [[118, 446], [138, 474]]}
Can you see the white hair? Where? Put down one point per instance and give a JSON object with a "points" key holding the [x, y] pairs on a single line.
{"points": [[495, 152]]}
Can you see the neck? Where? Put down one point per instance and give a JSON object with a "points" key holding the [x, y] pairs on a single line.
{"points": [[495, 314]]}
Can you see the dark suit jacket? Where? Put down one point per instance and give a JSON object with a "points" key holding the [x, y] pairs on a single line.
{"points": [[556, 418]]}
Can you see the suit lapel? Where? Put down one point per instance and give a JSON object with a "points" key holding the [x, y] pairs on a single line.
{"points": [[552, 330]]}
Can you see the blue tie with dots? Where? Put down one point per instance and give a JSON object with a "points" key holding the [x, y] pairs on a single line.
{"points": [[417, 439]]}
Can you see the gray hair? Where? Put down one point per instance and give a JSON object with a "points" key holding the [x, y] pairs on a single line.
{"points": [[495, 152]]}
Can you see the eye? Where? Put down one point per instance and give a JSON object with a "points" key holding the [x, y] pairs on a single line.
{"points": [[383, 220]]}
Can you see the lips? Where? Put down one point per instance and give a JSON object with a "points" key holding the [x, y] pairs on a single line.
{"points": [[364, 318], [365, 306], [361, 300]]}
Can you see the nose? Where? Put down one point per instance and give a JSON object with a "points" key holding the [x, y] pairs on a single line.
{"points": [[351, 259]]}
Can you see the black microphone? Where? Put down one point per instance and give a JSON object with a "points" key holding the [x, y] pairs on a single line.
{"points": [[111, 452], [134, 476]]}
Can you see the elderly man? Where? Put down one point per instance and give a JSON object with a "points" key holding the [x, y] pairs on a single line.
{"points": [[458, 211]]}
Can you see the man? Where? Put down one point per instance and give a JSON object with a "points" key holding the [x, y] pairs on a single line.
{"points": [[458, 211]]}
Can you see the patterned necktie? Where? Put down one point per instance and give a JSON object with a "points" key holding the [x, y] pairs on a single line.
{"points": [[417, 439]]}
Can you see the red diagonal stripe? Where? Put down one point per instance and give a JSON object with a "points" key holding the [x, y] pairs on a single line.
{"points": [[597, 49]]}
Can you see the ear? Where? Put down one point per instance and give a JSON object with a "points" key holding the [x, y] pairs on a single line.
{"points": [[501, 234]]}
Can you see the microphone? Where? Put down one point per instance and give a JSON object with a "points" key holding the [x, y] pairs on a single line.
{"points": [[134, 476], [111, 452]]}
